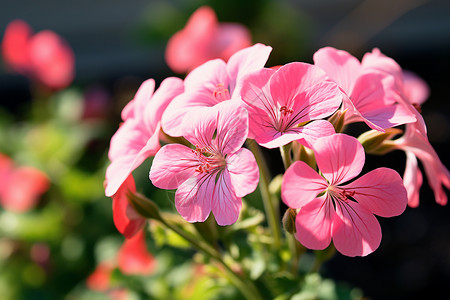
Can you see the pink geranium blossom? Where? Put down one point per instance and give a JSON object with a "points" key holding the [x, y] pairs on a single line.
{"points": [[203, 39], [280, 100], [138, 137], [371, 93], [211, 83], [20, 187], [331, 209], [44, 56], [217, 173]]}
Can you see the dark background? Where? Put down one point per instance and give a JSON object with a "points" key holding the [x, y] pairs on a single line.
{"points": [[118, 44]]}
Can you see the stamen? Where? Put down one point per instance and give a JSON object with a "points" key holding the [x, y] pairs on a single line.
{"points": [[221, 93], [286, 111]]}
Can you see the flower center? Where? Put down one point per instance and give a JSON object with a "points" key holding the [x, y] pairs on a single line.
{"points": [[209, 160], [285, 122], [221, 93], [340, 194]]}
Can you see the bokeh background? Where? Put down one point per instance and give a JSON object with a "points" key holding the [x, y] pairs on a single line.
{"points": [[118, 44]]}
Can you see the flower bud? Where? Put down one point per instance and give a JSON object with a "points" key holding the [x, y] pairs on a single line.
{"points": [[338, 120], [144, 206], [289, 220], [376, 142]]}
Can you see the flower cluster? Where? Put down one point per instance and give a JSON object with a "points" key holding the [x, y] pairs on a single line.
{"points": [[45, 56], [206, 119]]}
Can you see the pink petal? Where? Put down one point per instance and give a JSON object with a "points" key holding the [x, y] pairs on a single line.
{"points": [[356, 231], [173, 165], [314, 223], [207, 76], [194, 196], [255, 92], [340, 157], [342, 67], [381, 192], [226, 206], [127, 221], [136, 107], [412, 179], [200, 126], [317, 102], [153, 111], [244, 172], [314, 130], [301, 184], [377, 61], [415, 88], [232, 126], [244, 62], [131, 152], [292, 79]]}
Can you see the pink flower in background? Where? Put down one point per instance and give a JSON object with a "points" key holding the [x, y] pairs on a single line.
{"points": [[331, 209], [127, 221], [202, 39], [138, 137], [279, 100], [44, 56], [133, 257], [213, 82], [215, 175], [371, 93], [20, 187], [100, 279]]}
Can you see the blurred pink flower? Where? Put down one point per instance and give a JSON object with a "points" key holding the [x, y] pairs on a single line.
{"points": [[20, 187], [44, 56], [133, 257], [138, 137], [371, 94], [215, 175], [100, 279], [127, 221], [330, 209], [202, 39], [211, 83], [279, 100]]}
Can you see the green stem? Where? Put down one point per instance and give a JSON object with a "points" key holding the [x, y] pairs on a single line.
{"points": [[286, 155], [245, 285], [270, 207]]}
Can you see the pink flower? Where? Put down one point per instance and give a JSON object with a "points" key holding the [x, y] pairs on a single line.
{"points": [[133, 257], [44, 56], [213, 82], [203, 39], [138, 137], [279, 100], [372, 96], [21, 187], [415, 143], [127, 221], [100, 279], [330, 209], [217, 173]]}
